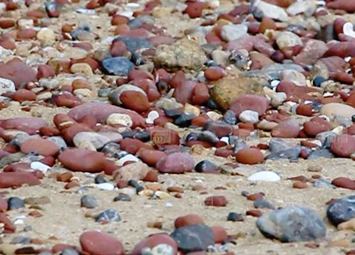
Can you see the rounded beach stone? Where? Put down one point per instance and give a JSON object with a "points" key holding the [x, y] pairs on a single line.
{"points": [[218, 201], [176, 163], [40, 146], [100, 243], [249, 156], [343, 145], [189, 219], [292, 224], [255, 103], [17, 179], [153, 241]]}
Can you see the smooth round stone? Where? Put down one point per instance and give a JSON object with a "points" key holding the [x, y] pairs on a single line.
{"points": [[193, 237], [287, 39], [233, 32], [94, 162], [14, 203], [262, 203], [337, 109], [292, 224], [341, 210], [102, 110], [219, 128], [122, 197], [100, 243], [316, 126], [17, 179], [249, 116], [151, 157], [217, 201], [133, 171], [81, 139], [117, 66], [108, 215], [105, 186], [343, 145], [18, 72], [255, 103], [264, 176], [88, 201], [59, 141], [189, 219], [153, 241], [29, 125], [100, 178], [249, 156], [184, 120], [286, 129], [119, 119], [344, 182], [206, 166], [176, 163], [115, 95], [46, 36]]}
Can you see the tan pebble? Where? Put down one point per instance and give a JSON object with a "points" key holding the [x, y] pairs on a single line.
{"points": [[192, 109], [81, 68], [119, 119], [153, 186], [46, 36], [214, 115], [162, 195], [155, 224], [314, 168], [44, 96], [299, 185], [347, 225], [83, 92]]}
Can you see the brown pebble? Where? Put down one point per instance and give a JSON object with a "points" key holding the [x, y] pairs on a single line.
{"points": [[254, 213], [299, 185], [218, 201]]}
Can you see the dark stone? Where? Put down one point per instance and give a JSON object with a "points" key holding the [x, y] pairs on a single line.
{"points": [[208, 136], [353, 118], [262, 203], [193, 136], [134, 43], [291, 154], [88, 201], [318, 80], [292, 224], [206, 166], [173, 113], [233, 216], [100, 178], [184, 120], [15, 203], [135, 185], [143, 136], [108, 215], [75, 34], [193, 237], [212, 104], [122, 197], [229, 117], [113, 150], [326, 138], [117, 66], [341, 210]]}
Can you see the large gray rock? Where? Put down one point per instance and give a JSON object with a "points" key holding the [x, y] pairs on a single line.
{"points": [[342, 210], [292, 224]]}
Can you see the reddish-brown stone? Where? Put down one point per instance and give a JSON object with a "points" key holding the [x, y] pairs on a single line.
{"points": [[94, 162], [194, 9], [200, 94], [132, 145], [17, 179], [45, 71], [343, 145], [29, 125], [18, 72], [255, 103], [151, 157], [315, 126], [343, 182], [304, 109], [8, 226], [286, 129], [249, 156], [189, 219], [40, 146], [218, 201], [3, 205], [100, 243], [345, 5], [176, 163], [219, 234], [23, 95], [154, 240]]}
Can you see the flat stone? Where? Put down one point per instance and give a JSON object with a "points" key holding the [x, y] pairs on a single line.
{"points": [[292, 224], [100, 243], [266, 176], [117, 66]]}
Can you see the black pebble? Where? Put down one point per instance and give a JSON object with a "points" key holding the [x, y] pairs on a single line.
{"points": [[122, 197], [233, 216], [318, 80]]}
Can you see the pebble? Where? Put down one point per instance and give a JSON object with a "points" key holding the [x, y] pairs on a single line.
{"points": [[249, 156], [218, 201], [153, 242], [341, 210], [206, 166], [100, 243], [337, 109], [17, 179], [6, 85], [108, 215], [233, 32], [266, 176], [122, 197], [232, 216], [88, 201], [119, 119], [249, 116], [343, 145], [14, 203], [176, 163], [117, 66], [292, 224], [193, 238]]}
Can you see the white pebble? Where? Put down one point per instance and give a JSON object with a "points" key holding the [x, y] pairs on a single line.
{"points": [[266, 176], [105, 186], [249, 116], [126, 158], [40, 166], [153, 115]]}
